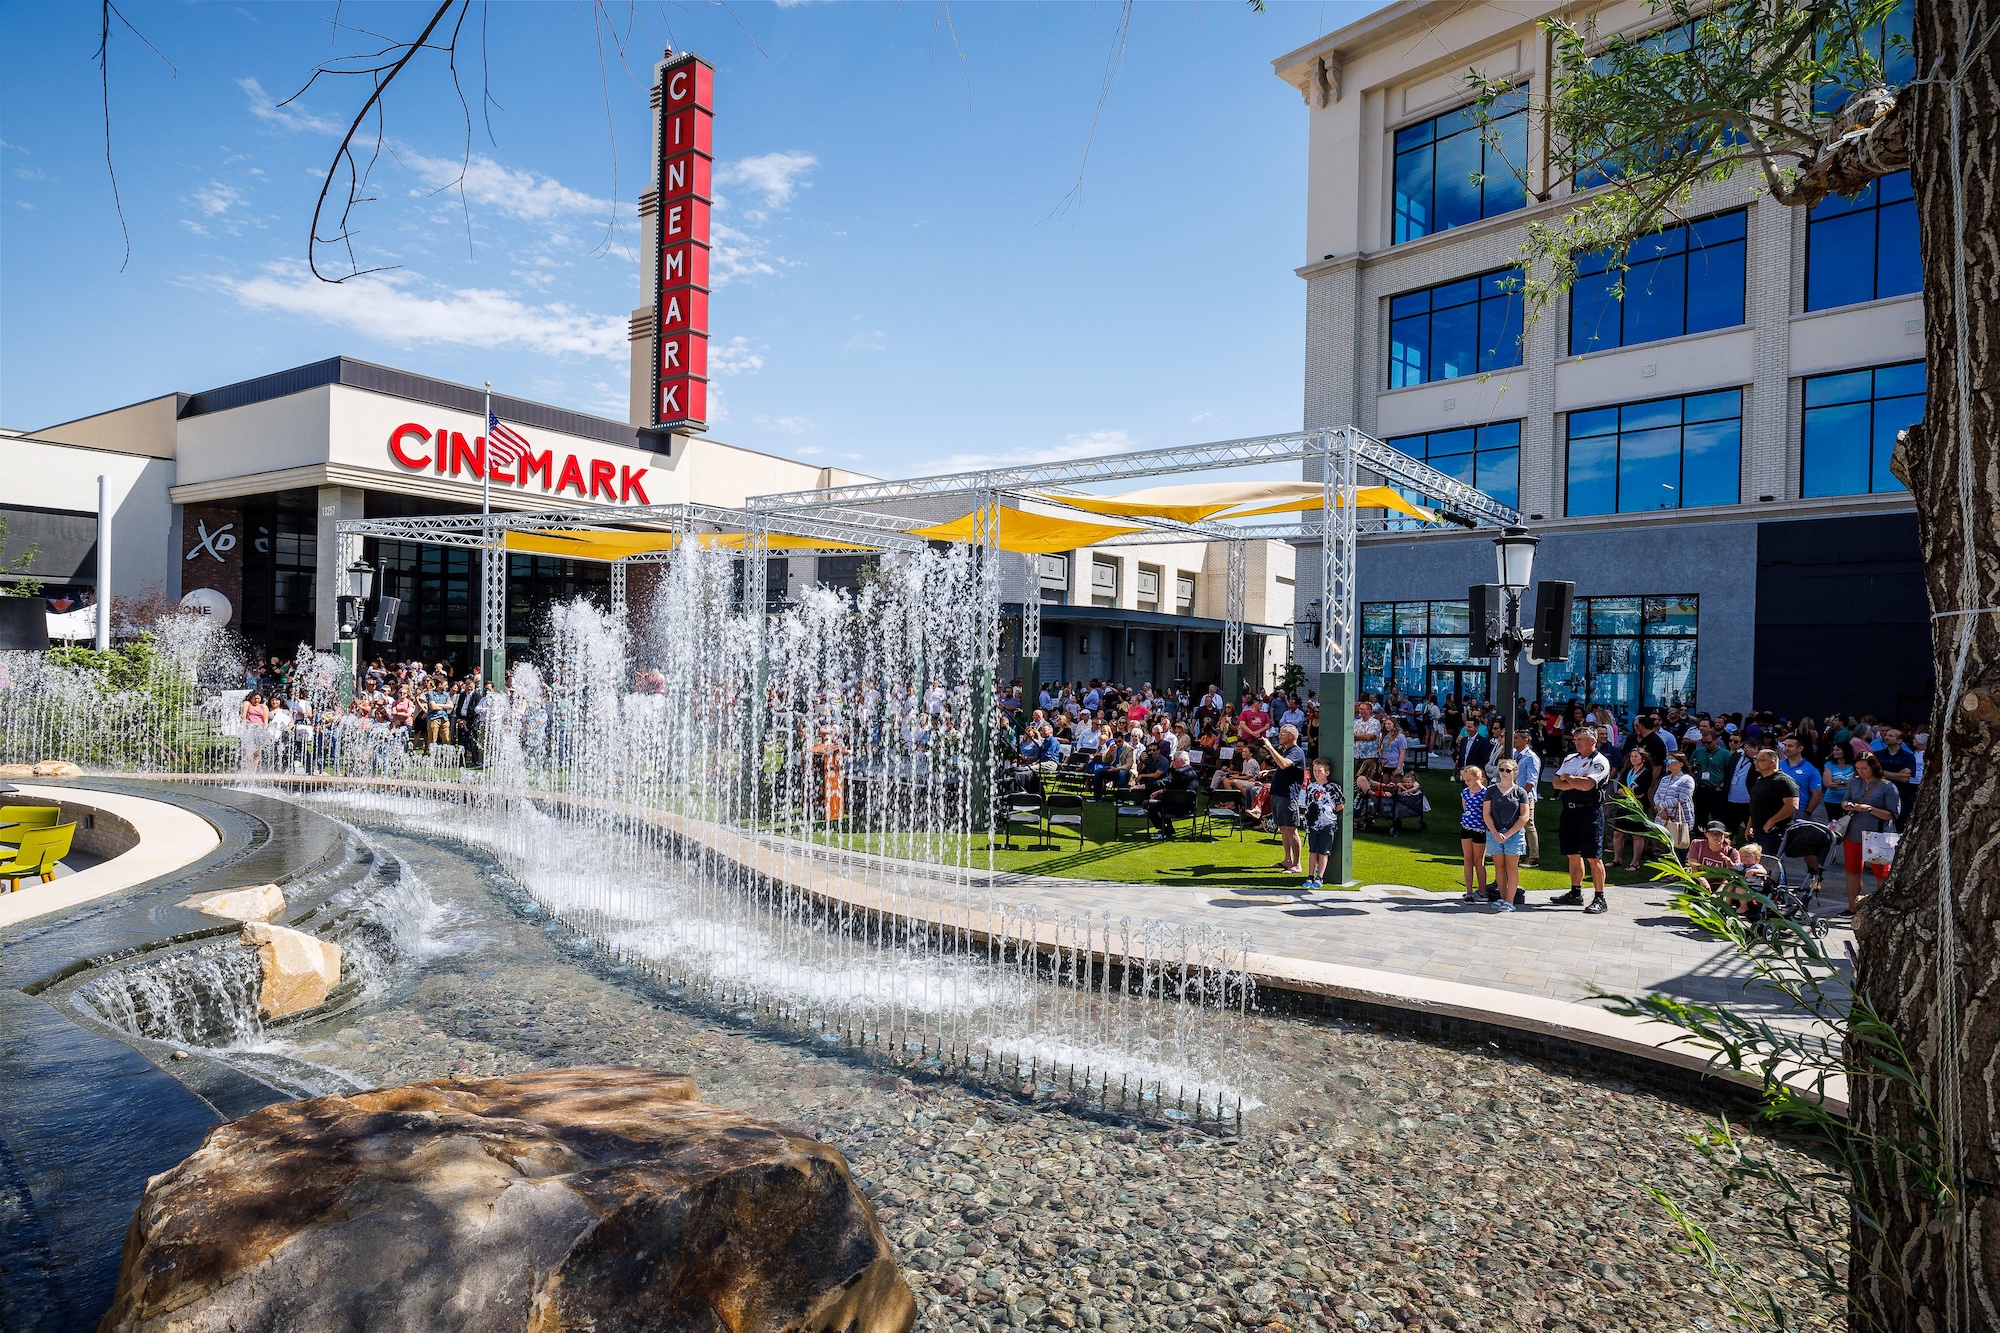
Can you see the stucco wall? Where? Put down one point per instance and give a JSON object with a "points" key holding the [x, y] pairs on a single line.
{"points": [[42, 475]]}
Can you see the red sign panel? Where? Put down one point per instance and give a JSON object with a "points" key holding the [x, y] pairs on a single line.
{"points": [[680, 308]]}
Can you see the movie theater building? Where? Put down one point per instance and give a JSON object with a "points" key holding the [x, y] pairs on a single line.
{"points": [[1707, 459], [239, 488]]}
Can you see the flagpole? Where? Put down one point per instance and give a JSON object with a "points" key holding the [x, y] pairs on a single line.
{"points": [[486, 536]]}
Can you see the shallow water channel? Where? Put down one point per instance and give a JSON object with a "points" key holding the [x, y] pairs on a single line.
{"points": [[1388, 1182]]}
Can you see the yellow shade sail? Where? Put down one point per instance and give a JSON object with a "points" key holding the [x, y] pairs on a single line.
{"points": [[1029, 533], [778, 541], [1366, 497], [1185, 504], [589, 544]]}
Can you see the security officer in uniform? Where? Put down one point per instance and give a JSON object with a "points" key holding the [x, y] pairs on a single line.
{"points": [[1580, 786]]}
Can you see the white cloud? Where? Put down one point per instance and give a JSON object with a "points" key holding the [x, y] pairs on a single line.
{"points": [[808, 451], [31, 173], [1200, 417], [289, 117], [789, 425], [394, 308], [1088, 444], [215, 198], [196, 227], [735, 357], [867, 340], [520, 194], [738, 254], [774, 175]]}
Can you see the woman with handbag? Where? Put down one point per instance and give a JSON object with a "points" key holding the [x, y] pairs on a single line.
{"points": [[1673, 802], [1871, 806]]}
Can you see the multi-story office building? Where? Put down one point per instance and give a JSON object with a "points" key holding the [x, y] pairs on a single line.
{"points": [[1707, 458]]}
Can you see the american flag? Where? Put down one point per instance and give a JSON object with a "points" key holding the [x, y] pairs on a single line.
{"points": [[503, 443]]}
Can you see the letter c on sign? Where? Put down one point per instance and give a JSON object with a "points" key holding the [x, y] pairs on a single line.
{"points": [[677, 85], [396, 445]]}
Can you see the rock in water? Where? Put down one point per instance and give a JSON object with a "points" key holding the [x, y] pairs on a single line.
{"points": [[262, 902], [571, 1199], [57, 768], [298, 971]]}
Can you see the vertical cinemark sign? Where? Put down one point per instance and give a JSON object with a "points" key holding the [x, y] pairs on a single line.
{"points": [[680, 310]]}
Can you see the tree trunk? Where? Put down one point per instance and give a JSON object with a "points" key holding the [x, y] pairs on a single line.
{"points": [[1899, 1276]]}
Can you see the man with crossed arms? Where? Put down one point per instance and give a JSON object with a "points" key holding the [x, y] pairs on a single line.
{"points": [[1579, 785]]}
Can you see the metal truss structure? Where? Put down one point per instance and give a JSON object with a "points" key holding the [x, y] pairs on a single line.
{"points": [[860, 515]]}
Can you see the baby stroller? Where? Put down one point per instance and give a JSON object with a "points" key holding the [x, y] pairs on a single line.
{"points": [[1392, 808], [1792, 895]]}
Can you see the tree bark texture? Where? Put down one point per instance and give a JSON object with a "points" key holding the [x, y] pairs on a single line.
{"points": [[1899, 932]]}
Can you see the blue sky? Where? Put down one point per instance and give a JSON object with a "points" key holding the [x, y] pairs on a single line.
{"points": [[908, 277]]}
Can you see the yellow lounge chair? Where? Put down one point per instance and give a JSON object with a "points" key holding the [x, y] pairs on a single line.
{"points": [[15, 819], [38, 854]]}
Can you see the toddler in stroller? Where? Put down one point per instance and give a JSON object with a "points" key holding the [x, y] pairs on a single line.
{"points": [[1792, 893], [1391, 800]]}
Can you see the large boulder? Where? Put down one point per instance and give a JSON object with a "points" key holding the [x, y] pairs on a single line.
{"points": [[571, 1199], [57, 768], [297, 971], [262, 902]]}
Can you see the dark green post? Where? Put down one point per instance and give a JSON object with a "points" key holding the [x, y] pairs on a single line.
{"points": [[1031, 684], [1232, 684], [1336, 746], [985, 701]]}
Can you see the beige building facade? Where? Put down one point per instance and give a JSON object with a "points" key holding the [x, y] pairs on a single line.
{"points": [[1706, 459]]}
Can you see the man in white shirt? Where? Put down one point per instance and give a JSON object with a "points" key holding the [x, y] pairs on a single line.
{"points": [[1367, 736], [1580, 785], [1528, 777]]}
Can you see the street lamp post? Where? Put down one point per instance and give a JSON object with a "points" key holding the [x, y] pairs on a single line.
{"points": [[1514, 551], [352, 609]]}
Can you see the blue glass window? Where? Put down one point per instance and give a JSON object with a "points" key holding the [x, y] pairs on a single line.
{"points": [[1449, 172], [1399, 641], [1864, 248], [1629, 652], [1686, 279], [1851, 423], [1460, 328], [1670, 453], [1887, 44], [1487, 457]]}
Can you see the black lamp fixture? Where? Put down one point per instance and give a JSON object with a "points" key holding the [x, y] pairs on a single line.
{"points": [[1306, 632], [350, 608]]}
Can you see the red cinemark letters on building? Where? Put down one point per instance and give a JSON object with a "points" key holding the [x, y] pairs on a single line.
{"points": [[680, 310], [416, 448]]}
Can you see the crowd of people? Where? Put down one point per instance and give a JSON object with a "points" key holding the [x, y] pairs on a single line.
{"points": [[1724, 788], [291, 720]]}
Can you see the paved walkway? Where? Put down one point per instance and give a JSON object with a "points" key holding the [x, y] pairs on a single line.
{"points": [[1639, 945]]}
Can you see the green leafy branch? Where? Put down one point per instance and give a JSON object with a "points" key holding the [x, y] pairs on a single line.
{"points": [[1795, 1066], [1634, 124]]}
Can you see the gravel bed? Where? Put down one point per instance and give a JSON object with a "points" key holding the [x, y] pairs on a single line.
{"points": [[1393, 1183]]}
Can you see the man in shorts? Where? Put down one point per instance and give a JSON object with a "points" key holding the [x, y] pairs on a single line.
{"points": [[1579, 786], [1288, 774]]}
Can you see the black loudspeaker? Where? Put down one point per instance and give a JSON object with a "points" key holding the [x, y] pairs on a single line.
{"points": [[1554, 603], [1488, 605], [24, 625]]}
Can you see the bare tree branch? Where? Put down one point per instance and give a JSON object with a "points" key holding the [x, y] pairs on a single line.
{"points": [[383, 76], [108, 12]]}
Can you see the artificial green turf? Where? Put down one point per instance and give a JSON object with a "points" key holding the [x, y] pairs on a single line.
{"points": [[1427, 860]]}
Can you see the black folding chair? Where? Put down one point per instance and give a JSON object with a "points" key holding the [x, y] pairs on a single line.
{"points": [[1020, 809], [1064, 810]]}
